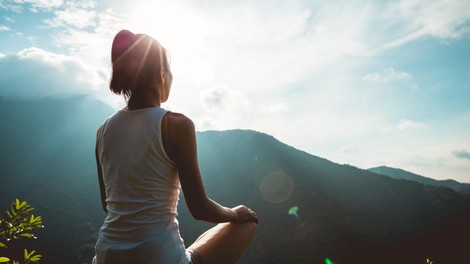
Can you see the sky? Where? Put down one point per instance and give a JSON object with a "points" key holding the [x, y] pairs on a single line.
{"points": [[365, 83]]}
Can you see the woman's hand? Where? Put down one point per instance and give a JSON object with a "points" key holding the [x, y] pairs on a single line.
{"points": [[245, 214]]}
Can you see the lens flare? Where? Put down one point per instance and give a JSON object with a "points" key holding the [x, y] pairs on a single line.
{"points": [[293, 211], [276, 187], [328, 261]]}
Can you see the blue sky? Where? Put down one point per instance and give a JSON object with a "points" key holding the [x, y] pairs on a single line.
{"points": [[365, 83]]}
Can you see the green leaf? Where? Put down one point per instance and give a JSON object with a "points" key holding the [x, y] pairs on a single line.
{"points": [[2, 245], [17, 204], [36, 258], [27, 255], [29, 209], [4, 259], [27, 235], [13, 211]]}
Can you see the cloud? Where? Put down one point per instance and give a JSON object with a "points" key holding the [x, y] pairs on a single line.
{"points": [[75, 17], [34, 73], [224, 106], [9, 19], [4, 28], [32, 5], [222, 98], [350, 150], [443, 19], [405, 124], [43, 4], [276, 108], [409, 20], [80, 28], [89, 36], [461, 154], [390, 75]]}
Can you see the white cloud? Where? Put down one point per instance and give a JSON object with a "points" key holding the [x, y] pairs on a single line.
{"points": [[90, 37], [34, 73], [46, 4], [220, 98], [4, 28], [32, 5], [225, 107], [404, 124], [390, 75], [276, 108], [443, 19], [408, 20], [9, 19], [73, 17], [11, 6], [350, 150]]}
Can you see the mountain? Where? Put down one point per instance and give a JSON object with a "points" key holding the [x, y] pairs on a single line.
{"points": [[402, 174], [345, 214]]}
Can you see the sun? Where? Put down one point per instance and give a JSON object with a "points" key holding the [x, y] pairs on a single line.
{"points": [[180, 29], [162, 20]]}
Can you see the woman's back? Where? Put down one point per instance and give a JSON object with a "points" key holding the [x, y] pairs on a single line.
{"points": [[142, 184]]}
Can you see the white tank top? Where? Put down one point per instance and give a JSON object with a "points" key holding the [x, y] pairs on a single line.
{"points": [[141, 183]]}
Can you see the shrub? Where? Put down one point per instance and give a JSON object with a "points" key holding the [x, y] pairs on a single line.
{"points": [[18, 222]]}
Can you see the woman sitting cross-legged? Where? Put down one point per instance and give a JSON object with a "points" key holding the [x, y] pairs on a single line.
{"points": [[144, 155]]}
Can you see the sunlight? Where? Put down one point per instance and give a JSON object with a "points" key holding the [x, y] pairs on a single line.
{"points": [[181, 30]]}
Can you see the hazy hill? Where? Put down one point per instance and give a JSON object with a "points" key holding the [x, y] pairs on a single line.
{"points": [[346, 214], [402, 174]]}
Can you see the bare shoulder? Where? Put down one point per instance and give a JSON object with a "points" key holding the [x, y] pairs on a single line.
{"points": [[178, 121], [99, 131], [178, 134]]}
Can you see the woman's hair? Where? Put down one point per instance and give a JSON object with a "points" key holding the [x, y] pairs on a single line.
{"points": [[137, 61]]}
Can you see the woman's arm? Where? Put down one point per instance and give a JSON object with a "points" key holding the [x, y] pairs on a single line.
{"points": [[179, 140], [100, 172]]}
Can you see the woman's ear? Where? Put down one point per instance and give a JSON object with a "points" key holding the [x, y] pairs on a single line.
{"points": [[164, 95], [162, 74], [165, 89], [167, 79]]}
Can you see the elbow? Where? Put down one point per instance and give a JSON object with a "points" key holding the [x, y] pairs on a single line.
{"points": [[198, 216], [199, 211]]}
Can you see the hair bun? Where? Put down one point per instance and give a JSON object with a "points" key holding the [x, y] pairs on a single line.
{"points": [[122, 41]]}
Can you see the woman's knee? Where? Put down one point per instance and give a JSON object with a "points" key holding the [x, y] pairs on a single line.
{"points": [[246, 229], [250, 227]]}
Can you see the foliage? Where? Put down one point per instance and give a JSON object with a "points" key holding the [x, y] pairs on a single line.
{"points": [[19, 222]]}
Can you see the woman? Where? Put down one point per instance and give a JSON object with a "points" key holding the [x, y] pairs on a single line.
{"points": [[144, 155]]}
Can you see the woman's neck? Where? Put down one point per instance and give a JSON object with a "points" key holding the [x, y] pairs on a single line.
{"points": [[136, 103]]}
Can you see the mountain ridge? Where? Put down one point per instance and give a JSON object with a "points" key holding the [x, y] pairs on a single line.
{"points": [[397, 173]]}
